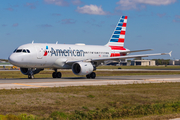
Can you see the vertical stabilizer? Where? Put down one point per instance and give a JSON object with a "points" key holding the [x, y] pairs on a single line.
{"points": [[118, 36]]}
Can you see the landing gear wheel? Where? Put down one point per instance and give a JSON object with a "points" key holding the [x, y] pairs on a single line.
{"points": [[54, 74], [58, 75], [93, 75], [30, 77], [88, 76]]}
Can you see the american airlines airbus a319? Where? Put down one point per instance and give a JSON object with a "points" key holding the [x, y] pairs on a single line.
{"points": [[82, 59]]}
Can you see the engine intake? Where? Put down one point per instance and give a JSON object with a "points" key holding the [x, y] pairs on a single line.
{"points": [[82, 68]]}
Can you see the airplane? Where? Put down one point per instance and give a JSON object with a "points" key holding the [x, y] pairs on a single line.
{"points": [[82, 59]]}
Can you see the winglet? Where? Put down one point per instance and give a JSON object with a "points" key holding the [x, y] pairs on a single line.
{"points": [[170, 53], [167, 53]]}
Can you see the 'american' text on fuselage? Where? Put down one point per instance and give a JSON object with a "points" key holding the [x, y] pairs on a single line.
{"points": [[66, 52]]}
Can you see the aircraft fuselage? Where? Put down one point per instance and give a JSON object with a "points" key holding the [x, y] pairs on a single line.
{"points": [[55, 55]]}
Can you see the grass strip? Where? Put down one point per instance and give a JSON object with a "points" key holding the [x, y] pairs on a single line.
{"points": [[92, 102], [115, 111], [48, 74], [112, 112], [140, 67]]}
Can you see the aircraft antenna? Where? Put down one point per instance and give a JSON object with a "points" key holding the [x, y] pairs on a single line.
{"points": [[56, 42], [32, 41]]}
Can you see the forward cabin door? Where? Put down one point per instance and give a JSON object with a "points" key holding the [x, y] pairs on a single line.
{"points": [[39, 51]]}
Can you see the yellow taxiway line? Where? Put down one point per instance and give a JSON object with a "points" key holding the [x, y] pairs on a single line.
{"points": [[28, 85]]}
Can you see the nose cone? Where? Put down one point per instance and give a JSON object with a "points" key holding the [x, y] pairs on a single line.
{"points": [[13, 59]]}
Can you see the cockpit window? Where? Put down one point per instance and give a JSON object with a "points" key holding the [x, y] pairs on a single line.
{"points": [[24, 51], [18, 50], [28, 51], [21, 50], [15, 50]]}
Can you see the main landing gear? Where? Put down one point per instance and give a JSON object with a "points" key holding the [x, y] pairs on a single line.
{"points": [[91, 75], [56, 74]]}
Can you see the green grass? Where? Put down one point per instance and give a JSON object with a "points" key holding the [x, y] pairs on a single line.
{"points": [[139, 67], [141, 101], [48, 74]]}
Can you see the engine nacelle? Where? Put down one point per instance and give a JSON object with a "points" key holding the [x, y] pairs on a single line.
{"points": [[82, 68], [26, 71]]}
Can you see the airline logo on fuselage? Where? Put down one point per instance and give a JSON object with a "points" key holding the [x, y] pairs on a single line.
{"points": [[46, 52], [67, 52]]}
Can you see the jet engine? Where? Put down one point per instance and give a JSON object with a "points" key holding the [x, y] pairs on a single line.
{"points": [[82, 68], [26, 71]]}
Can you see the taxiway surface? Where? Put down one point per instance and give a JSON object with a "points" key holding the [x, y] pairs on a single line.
{"points": [[82, 81]]}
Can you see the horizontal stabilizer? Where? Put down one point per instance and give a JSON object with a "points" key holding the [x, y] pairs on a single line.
{"points": [[137, 51]]}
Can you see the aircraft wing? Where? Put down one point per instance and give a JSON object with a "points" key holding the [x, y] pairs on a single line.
{"points": [[116, 58]]}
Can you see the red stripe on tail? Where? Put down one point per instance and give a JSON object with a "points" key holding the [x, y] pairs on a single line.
{"points": [[115, 54], [124, 25], [121, 40], [117, 48], [123, 33]]}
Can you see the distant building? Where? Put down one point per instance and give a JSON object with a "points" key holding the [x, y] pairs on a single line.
{"points": [[133, 63], [122, 62], [2, 61], [174, 62], [143, 62]]}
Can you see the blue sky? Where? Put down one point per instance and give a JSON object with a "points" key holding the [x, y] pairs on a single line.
{"points": [[151, 23]]}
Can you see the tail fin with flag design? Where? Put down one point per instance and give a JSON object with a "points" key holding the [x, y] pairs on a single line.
{"points": [[117, 39]]}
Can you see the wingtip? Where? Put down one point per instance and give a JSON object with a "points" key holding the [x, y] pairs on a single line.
{"points": [[170, 53]]}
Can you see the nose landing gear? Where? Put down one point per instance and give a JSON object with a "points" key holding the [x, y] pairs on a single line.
{"points": [[31, 75]]}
